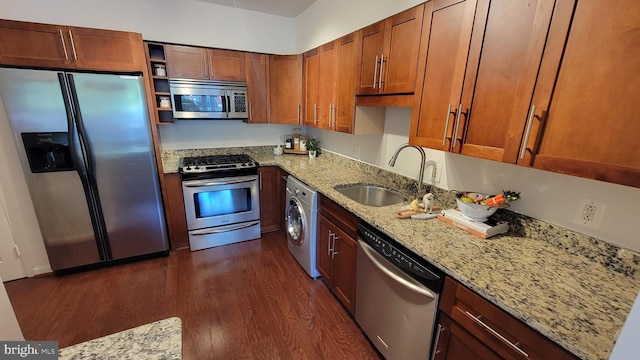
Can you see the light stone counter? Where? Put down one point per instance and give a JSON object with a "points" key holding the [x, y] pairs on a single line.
{"points": [[160, 340], [572, 288]]}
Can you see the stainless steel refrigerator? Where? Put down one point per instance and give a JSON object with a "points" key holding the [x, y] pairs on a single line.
{"points": [[86, 150]]}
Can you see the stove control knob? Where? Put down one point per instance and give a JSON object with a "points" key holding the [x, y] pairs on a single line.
{"points": [[188, 168]]}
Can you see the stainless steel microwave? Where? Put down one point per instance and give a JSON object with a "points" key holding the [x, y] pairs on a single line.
{"points": [[204, 99]]}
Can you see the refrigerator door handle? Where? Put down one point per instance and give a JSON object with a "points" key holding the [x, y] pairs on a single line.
{"points": [[71, 131], [89, 160]]}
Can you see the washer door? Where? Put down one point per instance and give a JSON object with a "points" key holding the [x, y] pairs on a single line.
{"points": [[296, 223]]}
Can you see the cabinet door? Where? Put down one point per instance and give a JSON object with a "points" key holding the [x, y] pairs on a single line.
{"points": [[446, 35], [187, 62], [344, 108], [591, 129], [324, 243], [269, 216], [257, 73], [346, 250], [95, 49], [285, 76], [402, 44], [327, 86], [226, 65], [31, 44], [311, 86], [507, 45], [455, 343], [370, 48]]}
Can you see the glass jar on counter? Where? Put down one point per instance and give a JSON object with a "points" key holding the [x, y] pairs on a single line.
{"points": [[288, 142], [296, 138], [160, 69]]}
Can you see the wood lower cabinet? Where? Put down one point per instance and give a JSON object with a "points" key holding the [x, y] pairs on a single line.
{"points": [[270, 218], [257, 72], [282, 198], [470, 327], [388, 54], [337, 250], [285, 97], [173, 200], [68, 47]]}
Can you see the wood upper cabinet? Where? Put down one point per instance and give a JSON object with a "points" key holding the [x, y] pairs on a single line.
{"points": [[257, 72], [285, 97], [190, 62], [473, 328], [227, 65], [311, 86], [66, 47], [388, 54], [591, 127], [269, 205], [445, 35], [337, 250], [481, 72], [320, 75], [187, 62], [345, 91]]}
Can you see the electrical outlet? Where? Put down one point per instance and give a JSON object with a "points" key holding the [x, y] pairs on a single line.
{"points": [[438, 176], [589, 213]]}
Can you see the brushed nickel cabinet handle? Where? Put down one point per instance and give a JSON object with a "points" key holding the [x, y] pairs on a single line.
{"points": [[381, 67], [315, 114], [250, 113], [330, 244], [332, 109], [375, 73], [64, 47], [73, 46], [446, 125], [496, 334], [435, 352], [527, 132], [333, 250], [455, 134]]}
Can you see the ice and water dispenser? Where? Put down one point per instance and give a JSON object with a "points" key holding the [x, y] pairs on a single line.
{"points": [[48, 152]]}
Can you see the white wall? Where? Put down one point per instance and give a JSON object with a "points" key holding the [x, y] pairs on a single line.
{"points": [[327, 20], [179, 21]]}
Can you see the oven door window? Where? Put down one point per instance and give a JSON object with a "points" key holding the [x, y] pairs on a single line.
{"points": [[200, 103], [222, 202]]}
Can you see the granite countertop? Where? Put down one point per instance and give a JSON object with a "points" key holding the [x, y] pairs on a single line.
{"points": [[161, 340], [572, 288]]}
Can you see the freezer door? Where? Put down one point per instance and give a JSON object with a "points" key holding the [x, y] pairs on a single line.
{"points": [[34, 104], [114, 113]]}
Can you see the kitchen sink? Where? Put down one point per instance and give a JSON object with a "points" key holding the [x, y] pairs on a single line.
{"points": [[371, 195]]}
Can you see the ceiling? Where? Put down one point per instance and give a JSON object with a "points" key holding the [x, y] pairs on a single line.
{"points": [[288, 8]]}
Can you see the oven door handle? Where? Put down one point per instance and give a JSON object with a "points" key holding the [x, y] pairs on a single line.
{"points": [[369, 252], [224, 229], [223, 182]]}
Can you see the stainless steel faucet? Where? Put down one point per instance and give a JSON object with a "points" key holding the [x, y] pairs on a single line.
{"points": [[392, 163]]}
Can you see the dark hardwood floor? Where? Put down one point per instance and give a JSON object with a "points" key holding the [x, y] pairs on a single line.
{"points": [[249, 300]]}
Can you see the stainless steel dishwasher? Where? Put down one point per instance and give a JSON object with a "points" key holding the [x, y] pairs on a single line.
{"points": [[396, 296]]}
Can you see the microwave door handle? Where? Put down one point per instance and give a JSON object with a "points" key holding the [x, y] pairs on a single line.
{"points": [[228, 101]]}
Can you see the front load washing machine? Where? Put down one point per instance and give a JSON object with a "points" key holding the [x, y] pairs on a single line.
{"points": [[301, 219]]}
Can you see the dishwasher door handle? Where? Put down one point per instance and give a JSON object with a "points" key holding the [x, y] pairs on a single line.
{"points": [[369, 252]]}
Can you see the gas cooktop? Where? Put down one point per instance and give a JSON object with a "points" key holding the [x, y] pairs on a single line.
{"points": [[218, 165]]}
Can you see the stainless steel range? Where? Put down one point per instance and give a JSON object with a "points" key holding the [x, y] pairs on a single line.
{"points": [[221, 198]]}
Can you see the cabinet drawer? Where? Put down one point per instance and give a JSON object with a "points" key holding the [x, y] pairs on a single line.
{"points": [[339, 216], [506, 335]]}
